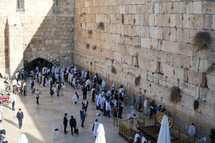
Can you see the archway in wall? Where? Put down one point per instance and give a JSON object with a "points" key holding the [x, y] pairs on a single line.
{"points": [[37, 62]]}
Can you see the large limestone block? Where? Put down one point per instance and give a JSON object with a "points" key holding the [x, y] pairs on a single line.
{"points": [[207, 24], [188, 89], [179, 74], [197, 7], [194, 23], [146, 43], [207, 95], [170, 47], [211, 82], [210, 7], [213, 22], [154, 32], [168, 70]]}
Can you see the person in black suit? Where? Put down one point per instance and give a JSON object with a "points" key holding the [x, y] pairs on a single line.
{"points": [[72, 123], [65, 121], [20, 117]]}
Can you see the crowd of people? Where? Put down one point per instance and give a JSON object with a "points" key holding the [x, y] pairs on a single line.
{"points": [[109, 102]]}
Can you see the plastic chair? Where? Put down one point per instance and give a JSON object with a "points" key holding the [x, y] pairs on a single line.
{"points": [[55, 130]]}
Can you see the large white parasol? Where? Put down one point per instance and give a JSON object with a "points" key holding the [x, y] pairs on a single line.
{"points": [[164, 134], [23, 139], [100, 138]]}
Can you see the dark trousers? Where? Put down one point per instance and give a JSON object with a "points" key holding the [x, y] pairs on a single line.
{"points": [[37, 98], [93, 98], [72, 130], [85, 108], [13, 104], [107, 113], [82, 122], [24, 92], [20, 123], [84, 96], [120, 113], [65, 126]]}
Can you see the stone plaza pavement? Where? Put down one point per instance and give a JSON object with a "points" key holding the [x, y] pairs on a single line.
{"points": [[38, 119]]}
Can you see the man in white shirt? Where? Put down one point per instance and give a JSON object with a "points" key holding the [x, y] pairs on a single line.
{"points": [[103, 84], [192, 130], [14, 82], [137, 135], [108, 108]]}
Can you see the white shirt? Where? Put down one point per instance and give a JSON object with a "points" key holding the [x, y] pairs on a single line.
{"points": [[136, 136], [144, 139], [14, 82], [103, 83], [192, 130], [88, 82], [12, 97], [145, 103], [108, 106]]}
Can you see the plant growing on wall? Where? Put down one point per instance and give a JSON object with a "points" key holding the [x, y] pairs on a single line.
{"points": [[90, 32], [101, 26], [82, 14], [175, 95], [202, 40], [210, 69], [113, 69], [196, 104], [87, 45], [137, 81], [95, 47]]}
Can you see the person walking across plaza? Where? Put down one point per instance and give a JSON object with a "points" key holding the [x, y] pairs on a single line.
{"points": [[85, 104], [24, 88], [20, 117], [37, 95], [13, 100], [82, 116], [65, 122], [72, 124], [84, 90]]}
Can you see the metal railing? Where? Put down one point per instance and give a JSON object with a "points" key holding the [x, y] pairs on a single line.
{"points": [[128, 129]]}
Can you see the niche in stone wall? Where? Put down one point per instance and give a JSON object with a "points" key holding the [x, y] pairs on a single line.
{"points": [[122, 20], [135, 61], [159, 68]]}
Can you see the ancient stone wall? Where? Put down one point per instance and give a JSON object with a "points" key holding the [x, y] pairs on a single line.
{"points": [[45, 34], [148, 46]]}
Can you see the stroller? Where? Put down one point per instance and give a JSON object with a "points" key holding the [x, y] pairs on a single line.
{"points": [[133, 113]]}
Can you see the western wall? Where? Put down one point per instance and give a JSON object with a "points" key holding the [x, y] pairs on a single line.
{"points": [[150, 46], [35, 32]]}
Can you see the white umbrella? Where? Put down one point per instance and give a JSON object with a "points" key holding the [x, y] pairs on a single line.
{"points": [[100, 138], [23, 139], [164, 134]]}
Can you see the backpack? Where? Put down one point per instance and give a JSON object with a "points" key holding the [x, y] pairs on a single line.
{"points": [[114, 113]]}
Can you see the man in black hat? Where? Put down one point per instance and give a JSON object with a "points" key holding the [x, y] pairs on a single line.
{"points": [[65, 121]]}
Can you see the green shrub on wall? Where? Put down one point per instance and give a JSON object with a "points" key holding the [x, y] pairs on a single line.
{"points": [[196, 104], [113, 69], [202, 40], [175, 95], [137, 81], [101, 26]]}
